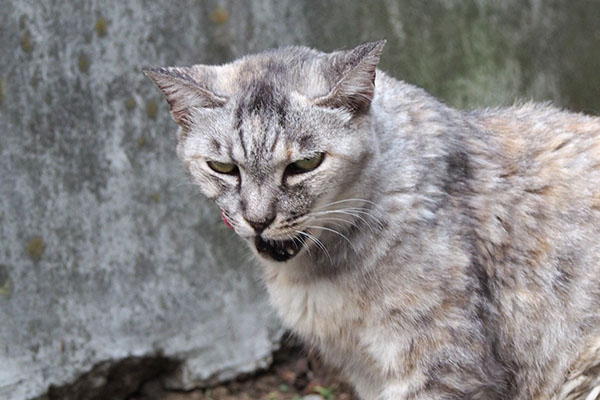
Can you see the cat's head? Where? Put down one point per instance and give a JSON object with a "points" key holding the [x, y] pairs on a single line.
{"points": [[277, 139]]}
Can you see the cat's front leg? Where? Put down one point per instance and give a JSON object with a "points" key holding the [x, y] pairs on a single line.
{"points": [[453, 371], [400, 390], [397, 390], [457, 384]]}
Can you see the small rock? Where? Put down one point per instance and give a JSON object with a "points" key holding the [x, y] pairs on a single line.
{"points": [[287, 376], [220, 392], [312, 397], [195, 395], [301, 366]]}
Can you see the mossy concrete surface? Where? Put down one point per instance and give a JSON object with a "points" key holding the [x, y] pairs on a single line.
{"points": [[108, 253]]}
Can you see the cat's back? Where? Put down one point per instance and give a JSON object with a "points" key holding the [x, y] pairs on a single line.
{"points": [[537, 210], [545, 158], [545, 141], [545, 176]]}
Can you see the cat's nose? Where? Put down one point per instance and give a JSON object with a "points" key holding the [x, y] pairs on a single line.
{"points": [[260, 225]]}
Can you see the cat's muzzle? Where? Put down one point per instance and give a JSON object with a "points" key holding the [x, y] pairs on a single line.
{"points": [[278, 250]]}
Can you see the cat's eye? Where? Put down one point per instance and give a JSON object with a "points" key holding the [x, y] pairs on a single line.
{"points": [[223, 168], [305, 164]]}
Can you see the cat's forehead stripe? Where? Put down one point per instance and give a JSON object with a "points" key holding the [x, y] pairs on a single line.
{"points": [[266, 106], [240, 132], [274, 142], [216, 145], [263, 99]]}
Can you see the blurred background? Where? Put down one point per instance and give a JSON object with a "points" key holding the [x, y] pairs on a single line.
{"points": [[114, 271]]}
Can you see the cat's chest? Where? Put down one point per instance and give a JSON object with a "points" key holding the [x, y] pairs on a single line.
{"points": [[321, 309]]}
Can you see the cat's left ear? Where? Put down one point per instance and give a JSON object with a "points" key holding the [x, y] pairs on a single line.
{"points": [[184, 93], [354, 72]]}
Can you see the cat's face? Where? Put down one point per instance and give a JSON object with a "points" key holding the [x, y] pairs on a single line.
{"points": [[276, 139]]}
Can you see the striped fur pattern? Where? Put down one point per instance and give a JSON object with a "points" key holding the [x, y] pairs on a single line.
{"points": [[433, 253]]}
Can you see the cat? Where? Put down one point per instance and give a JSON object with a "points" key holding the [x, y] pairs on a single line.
{"points": [[427, 252]]}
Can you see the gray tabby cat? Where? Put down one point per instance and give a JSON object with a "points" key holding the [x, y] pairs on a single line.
{"points": [[429, 253]]}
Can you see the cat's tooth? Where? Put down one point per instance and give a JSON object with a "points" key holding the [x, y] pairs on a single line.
{"points": [[290, 251]]}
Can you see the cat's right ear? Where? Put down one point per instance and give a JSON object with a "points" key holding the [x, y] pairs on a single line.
{"points": [[183, 93]]}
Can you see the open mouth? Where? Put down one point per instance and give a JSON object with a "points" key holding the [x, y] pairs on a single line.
{"points": [[278, 250]]}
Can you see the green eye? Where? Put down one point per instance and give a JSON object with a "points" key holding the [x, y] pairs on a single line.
{"points": [[306, 164], [222, 168]]}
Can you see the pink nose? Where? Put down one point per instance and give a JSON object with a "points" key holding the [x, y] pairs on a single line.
{"points": [[225, 220]]}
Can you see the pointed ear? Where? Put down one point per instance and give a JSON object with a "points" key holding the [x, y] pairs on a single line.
{"points": [[183, 92], [354, 74]]}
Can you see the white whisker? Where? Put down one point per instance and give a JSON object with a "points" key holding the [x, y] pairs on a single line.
{"points": [[352, 223], [338, 221], [318, 243], [356, 213], [337, 233], [301, 241], [346, 201]]}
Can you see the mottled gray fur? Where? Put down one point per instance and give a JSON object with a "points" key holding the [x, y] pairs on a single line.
{"points": [[434, 253]]}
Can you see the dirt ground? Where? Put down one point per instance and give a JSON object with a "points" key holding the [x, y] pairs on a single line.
{"points": [[294, 375]]}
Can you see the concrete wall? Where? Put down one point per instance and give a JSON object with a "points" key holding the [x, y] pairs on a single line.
{"points": [[110, 261]]}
